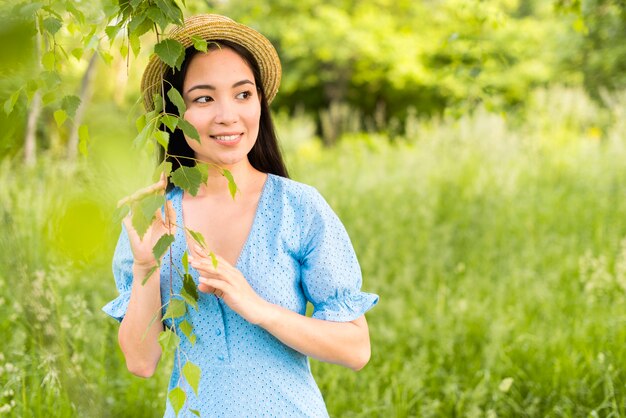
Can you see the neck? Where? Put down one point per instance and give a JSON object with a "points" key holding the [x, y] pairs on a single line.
{"points": [[244, 174]]}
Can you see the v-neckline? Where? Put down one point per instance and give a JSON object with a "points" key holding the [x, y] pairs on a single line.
{"points": [[252, 226]]}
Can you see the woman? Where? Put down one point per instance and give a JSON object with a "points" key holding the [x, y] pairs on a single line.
{"points": [[277, 243]]}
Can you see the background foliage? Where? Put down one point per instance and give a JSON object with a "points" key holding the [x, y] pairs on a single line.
{"points": [[473, 149]]}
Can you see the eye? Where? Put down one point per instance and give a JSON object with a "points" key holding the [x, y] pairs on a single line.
{"points": [[203, 99], [244, 95]]}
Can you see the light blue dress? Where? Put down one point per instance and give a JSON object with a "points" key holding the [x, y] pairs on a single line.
{"points": [[296, 251]]}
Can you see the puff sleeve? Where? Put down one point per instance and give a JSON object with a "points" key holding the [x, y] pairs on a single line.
{"points": [[330, 272], [123, 273]]}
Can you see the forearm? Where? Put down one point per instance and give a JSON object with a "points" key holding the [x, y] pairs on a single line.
{"points": [[344, 343], [142, 353]]}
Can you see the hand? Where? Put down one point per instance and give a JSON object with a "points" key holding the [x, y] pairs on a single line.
{"points": [[142, 247], [229, 284]]}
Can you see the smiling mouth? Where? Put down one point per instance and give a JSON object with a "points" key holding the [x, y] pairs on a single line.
{"points": [[226, 138]]}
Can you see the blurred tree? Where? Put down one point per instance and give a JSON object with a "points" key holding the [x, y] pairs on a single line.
{"points": [[38, 86], [393, 56], [601, 47]]}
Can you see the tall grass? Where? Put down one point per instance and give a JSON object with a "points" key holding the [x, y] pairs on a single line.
{"points": [[497, 247]]}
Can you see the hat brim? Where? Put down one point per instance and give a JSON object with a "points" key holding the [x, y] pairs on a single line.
{"points": [[212, 27]]}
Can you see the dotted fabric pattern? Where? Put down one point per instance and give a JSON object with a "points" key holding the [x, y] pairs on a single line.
{"points": [[297, 251]]}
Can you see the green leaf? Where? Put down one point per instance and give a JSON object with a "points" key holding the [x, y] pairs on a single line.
{"points": [[232, 186], [177, 399], [171, 52], [135, 3], [78, 15], [135, 44], [142, 138], [150, 273], [162, 245], [139, 25], [47, 60], [175, 309], [187, 178], [213, 259], [83, 139], [28, 10], [178, 101], [50, 97], [188, 129], [112, 31], [189, 286], [10, 103], [164, 168], [157, 99], [162, 137], [52, 25], [70, 105], [143, 212], [60, 116], [140, 123], [185, 261], [197, 237], [192, 375], [124, 50], [139, 221], [199, 43], [186, 327], [120, 213], [77, 53], [170, 121], [168, 340], [171, 10], [150, 204], [204, 171], [195, 412], [156, 15], [189, 299]]}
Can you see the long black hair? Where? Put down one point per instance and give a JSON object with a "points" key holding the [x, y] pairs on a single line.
{"points": [[265, 155]]}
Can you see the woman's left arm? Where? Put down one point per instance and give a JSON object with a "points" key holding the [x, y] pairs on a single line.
{"points": [[344, 343]]}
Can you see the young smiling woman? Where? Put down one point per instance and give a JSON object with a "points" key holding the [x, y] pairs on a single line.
{"points": [[278, 245]]}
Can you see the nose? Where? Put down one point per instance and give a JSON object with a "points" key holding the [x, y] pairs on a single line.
{"points": [[225, 112]]}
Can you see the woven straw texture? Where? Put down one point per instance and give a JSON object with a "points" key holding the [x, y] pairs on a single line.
{"points": [[214, 27]]}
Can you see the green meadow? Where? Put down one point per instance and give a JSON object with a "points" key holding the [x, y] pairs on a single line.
{"points": [[497, 244]]}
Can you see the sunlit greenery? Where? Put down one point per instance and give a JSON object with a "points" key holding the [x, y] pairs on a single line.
{"points": [[498, 253]]}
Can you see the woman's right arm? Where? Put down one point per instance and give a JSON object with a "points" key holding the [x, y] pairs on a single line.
{"points": [[139, 331], [142, 354]]}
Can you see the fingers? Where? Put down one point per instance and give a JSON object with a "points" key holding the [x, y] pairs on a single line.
{"points": [[209, 289], [170, 217], [216, 286], [206, 289]]}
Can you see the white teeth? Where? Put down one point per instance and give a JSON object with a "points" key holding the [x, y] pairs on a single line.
{"points": [[226, 137]]}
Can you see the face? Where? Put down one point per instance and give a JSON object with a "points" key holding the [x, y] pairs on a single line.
{"points": [[223, 104]]}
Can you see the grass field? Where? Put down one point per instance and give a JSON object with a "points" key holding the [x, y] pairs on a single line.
{"points": [[498, 250]]}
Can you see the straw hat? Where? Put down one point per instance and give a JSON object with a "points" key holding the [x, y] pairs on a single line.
{"points": [[215, 27]]}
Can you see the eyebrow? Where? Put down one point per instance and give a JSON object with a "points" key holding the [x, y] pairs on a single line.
{"points": [[210, 87]]}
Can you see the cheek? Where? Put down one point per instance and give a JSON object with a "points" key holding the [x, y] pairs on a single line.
{"points": [[253, 117], [195, 117]]}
